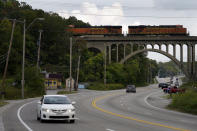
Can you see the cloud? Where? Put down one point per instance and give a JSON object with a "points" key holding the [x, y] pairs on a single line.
{"points": [[89, 12], [176, 4]]}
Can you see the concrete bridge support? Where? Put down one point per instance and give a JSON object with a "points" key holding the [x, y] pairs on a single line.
{"points": [[193, 61], [167, 48], [109, 54], [124, 51], [116, 52], [189, 59], [174, 50]]}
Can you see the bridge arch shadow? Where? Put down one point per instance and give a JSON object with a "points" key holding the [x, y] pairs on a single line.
{"points": [[94, 50], [176, 61]]}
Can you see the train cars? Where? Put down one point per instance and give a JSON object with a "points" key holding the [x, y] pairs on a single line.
{"points": [[157, 30], [96, 30]]}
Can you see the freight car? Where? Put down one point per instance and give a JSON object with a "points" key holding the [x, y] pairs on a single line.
{"points": [[96, 30], [171, 30]]}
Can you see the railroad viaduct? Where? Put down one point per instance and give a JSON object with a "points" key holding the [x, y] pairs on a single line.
{"points": [[140, 44]]}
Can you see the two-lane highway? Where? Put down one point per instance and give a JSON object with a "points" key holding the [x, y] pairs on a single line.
{"points": [[107, 111]]}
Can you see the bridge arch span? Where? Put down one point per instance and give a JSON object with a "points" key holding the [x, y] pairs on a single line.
{"points": [[158, 51]]}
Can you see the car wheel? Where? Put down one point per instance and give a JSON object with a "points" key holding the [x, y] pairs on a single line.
{"points": [[41, 120], [38, 118], [72, 121]]}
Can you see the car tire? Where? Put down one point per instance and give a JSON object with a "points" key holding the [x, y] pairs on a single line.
{"points": [[38, 118], [41, 120], [72, 121]]}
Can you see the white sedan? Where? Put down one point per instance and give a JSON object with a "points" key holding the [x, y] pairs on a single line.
{"points": [[55, 107]]}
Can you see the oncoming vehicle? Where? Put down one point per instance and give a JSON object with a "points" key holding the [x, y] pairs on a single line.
{"points": [[163, 85], [55, 107], [131, 88]]}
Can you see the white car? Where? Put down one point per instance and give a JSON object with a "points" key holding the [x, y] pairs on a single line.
{"points": [[55, 107]]}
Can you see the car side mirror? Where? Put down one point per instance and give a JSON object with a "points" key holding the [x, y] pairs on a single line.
{"points": [[73, 103], [39, 102]]}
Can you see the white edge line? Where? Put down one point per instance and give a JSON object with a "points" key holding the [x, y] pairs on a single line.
{"points": [[19, 117], [179, 113], [109, 129]]}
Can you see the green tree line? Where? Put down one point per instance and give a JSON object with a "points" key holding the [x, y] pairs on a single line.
{"points": [[55, 46]]}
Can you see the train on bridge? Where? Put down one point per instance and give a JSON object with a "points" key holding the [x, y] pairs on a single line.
{"points": [[141, 30]]}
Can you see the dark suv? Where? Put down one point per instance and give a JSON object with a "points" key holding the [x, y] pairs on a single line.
{"points": [[163, 85], [131, 88]]}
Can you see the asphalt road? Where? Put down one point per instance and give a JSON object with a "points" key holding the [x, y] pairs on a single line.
{"points": [[107, 111]]}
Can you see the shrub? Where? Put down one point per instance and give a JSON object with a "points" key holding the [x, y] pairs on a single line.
{"points": [[34, 85], [186, 102]]}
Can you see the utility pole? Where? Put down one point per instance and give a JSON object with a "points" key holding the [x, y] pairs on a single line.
{"points": [[78, 72], [105, 81], [7, 60], [39, 42], [70, 64], [23, 65]]}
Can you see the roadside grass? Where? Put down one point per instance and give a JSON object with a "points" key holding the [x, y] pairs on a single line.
{"points": [[14, 92], [101, 86], [185, 102], [66, 92], [3, 103]]}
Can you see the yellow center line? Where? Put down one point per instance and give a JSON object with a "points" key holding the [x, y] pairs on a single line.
{"points": [[127, 117]]}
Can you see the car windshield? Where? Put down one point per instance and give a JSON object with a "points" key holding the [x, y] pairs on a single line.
{"points": [[130, 87], [56, 100]]}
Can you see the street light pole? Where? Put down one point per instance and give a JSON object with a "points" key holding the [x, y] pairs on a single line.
{"points": [[39, 42], [23, 65], [70, 64], [7, 60]]}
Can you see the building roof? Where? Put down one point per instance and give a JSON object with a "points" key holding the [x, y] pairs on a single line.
{"points": [[56, 76]]}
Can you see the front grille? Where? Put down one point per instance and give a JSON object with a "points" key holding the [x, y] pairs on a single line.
{"points": [[58, 117], [59, 111]]}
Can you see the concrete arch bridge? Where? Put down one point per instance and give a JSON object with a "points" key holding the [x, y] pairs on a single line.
{"points": [[120, 49]]}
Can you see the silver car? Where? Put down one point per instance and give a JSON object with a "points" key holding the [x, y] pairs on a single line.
{"points": [[55, 107]]}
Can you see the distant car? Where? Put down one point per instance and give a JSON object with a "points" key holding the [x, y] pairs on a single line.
{"points": [[131, 88], [166, 90], [163, 85], [55, 107]]}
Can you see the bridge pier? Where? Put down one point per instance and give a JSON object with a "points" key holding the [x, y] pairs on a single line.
{"points": [[189, 59], [131, 48], [124, 51], [193, 62], [159, 46], [174, 50], [109, 54], [116, 52], [181, 56], [167, 48]]}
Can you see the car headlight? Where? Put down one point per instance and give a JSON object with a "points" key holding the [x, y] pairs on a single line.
{"points": [[45, 110], [71, 110]]}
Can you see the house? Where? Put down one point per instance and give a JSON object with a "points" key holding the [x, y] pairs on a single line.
{"points": [[53, 81]]}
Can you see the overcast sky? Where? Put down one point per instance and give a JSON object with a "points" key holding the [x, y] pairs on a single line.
{"points": [[127, 12]]}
